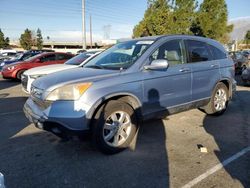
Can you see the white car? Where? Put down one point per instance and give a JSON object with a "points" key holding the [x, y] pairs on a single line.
{"points": [[5, 51], [30, 75]]}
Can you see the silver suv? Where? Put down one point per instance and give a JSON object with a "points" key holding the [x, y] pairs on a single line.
{"points": [[130, 82]]}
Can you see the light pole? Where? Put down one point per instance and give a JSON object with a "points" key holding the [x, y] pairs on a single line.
{"points": [[83, 26]]}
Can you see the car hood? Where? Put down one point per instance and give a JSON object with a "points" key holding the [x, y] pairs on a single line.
{"points": [[16, 63], [43, 70], [79, 74]]}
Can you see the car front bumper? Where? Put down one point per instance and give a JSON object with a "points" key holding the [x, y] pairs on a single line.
{"points": [[7, 74], [60, 116]]}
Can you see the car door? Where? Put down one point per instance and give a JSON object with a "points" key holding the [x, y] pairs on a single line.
{"points": [[171, 87], [47, 59], [205, 70]]}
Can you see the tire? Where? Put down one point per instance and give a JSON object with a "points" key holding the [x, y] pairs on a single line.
{"points": [[113, 132], [19, 74], [213, 108]]}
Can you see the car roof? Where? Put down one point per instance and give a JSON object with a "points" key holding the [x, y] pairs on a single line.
{"points": [[48, 53], [156, 37]]}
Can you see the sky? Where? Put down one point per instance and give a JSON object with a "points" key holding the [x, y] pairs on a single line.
{"points": [[61, 20]]}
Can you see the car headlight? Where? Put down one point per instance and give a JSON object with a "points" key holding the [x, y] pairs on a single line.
{"points": [[68, 92], [2, 64], [37, 76], [10, 67]]}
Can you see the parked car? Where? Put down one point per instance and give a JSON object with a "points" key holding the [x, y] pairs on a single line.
{"points": [[246, 53], [15, 70], [32, 74], [40, 51], [7, 55], [134, 80], [245, 76], [7, 51], [10, 54], [18, 57], [81, 51], [241, 62]]}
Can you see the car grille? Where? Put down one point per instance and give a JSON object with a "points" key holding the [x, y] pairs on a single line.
{"points": [[24, 80]]}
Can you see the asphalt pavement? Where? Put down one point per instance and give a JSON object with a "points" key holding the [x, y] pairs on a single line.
{"points": [[166, 153]]}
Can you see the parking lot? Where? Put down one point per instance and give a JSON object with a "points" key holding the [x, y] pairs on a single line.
{"points": [[165, 154]]}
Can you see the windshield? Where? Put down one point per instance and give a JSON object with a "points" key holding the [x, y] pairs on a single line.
{"points": [[32, 58], [122, 55], [77, 60], [17, 56]]}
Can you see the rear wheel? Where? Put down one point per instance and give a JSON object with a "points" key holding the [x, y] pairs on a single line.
{"points": [[218, 102], [19, 74], [114, 127]]}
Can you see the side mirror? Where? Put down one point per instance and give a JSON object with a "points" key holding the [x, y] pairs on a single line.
{"points": [[158, 64]]}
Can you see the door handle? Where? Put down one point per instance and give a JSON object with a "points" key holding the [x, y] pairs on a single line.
{"points": [[214, 65], [184, 70]]}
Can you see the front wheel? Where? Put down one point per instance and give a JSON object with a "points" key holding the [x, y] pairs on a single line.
{"points": [[218, 101], [19, 74], [114, 127]]}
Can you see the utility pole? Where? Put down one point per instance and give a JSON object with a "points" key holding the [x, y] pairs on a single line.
{"points": [[90, 28], [83, 26]]}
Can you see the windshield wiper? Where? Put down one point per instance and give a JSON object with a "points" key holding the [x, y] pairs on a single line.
{"points": [[94, 67]]}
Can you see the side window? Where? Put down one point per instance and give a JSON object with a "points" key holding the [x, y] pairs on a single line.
{"points": [[46, 58], [63, 57], [171, 51], [217, 53], [197, 51]]}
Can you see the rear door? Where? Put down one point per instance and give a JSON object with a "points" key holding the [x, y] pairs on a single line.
{"points": [[205, 70]]}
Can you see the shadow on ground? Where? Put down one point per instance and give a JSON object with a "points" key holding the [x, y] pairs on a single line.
{"points": [[8, 83], [232, 134], [42, 160]]}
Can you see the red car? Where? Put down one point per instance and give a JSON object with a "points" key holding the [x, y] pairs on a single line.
{"points": [[15, 70]]}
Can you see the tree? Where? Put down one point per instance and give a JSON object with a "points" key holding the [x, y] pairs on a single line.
{"points": [[183, 16], [26, 39], [4, 42], [7, 41], [247, 37], [156, 19], [212, 20], [39, 39]]}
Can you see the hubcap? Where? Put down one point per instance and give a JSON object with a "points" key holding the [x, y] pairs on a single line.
{"points": [[220, 100], [117, 128]]}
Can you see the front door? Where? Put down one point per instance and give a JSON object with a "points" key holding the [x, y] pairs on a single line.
{"points": [[171, 87]]}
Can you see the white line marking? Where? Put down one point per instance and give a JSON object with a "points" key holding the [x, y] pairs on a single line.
{"points": [[7, 113], [216, 168]]}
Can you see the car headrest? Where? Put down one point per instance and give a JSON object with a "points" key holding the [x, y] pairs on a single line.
{"points": [[173, 56]]}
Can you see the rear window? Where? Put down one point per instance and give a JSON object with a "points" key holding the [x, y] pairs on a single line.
{"points": [[198, 51], [217, 53]]}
